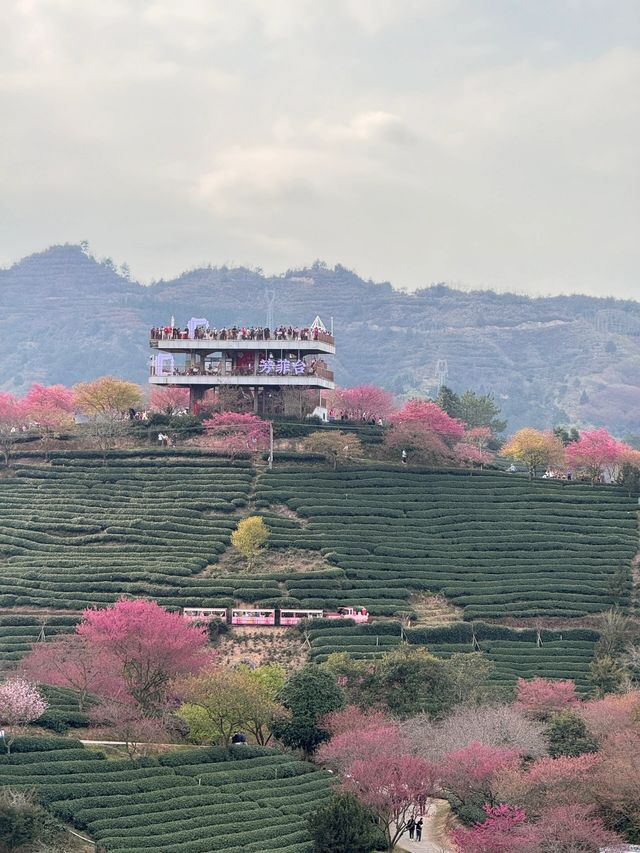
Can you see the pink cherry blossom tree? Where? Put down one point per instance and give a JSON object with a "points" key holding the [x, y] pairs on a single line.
{"points": [[346, 720], [357, 734], [503, 831], [20, 704], [563, 828], [49, 406], [147, 647], [169, 400], [235, 432], [430, 415], [128, 722], [595, 453], [566, 780], [471, 454], [573, 827], [364, 402], [467, 773], [422, 445], [541, 697], [72, 661], [394, 787]]}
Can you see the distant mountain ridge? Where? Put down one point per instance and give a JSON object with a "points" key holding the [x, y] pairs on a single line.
{"points": [[566, 359]]}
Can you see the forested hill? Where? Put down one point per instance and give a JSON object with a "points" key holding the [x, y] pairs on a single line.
{"points": [[570, 359]]}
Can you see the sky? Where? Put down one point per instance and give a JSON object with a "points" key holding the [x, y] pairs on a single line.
{"points": [[483, 143]]}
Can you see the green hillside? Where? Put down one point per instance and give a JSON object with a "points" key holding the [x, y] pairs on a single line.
{"points": [[193, 801], [75, 532], [494, 544]]}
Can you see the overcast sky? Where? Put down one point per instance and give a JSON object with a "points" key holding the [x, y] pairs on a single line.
{"points": [[486, 143]]}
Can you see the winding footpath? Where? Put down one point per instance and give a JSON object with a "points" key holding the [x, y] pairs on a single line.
{"points": [[434, 839]]}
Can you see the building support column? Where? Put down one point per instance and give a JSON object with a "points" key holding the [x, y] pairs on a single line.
{"points": [[196, 393]]}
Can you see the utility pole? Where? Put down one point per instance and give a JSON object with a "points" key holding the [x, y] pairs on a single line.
{"points": [[270, 445], [270, 298], [442, 372]]}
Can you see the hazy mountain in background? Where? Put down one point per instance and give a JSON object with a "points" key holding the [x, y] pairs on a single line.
{"points": [[65, 317]]}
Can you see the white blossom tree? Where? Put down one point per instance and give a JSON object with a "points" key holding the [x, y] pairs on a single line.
{"points": [[20, 704]]}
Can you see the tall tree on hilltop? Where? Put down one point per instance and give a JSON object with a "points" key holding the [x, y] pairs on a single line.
{"points": [[169, 400], [475, 410], [449, 402], [107, 403], [535, 449], [431, 416], [364, 401], [595, 453], [480, 410], [235, 433]]}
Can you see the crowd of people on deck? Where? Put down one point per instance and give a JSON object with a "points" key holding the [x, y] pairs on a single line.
{"points": [[242, 333]]}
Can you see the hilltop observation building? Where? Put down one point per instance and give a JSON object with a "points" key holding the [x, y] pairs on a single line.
{"points": [[271, 371]]}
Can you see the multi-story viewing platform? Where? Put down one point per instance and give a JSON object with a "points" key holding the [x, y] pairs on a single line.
{"points": [[267, 365]]}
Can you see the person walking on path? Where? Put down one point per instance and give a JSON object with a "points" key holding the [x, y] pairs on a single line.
{"points": [[411, 826], [419, 830]]}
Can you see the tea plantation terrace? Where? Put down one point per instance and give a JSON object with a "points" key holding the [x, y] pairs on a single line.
{"points": [[493, 543], [515, 653], [195, 801], [75, 532]]}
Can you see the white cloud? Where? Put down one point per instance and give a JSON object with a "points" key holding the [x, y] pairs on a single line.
{"points": [[413, 139]]}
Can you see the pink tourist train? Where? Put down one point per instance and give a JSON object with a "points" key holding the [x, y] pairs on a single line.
{"points": [[268, 616]]}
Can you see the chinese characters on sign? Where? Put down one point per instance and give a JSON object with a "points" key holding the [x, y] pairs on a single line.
{"points": [[281, 367]]}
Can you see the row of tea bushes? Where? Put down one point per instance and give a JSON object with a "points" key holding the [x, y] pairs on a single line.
{"points": [[493, 543], [18, 632], [516, 653], [77, 532], [62, 713], [369, 640], [196, 801]]}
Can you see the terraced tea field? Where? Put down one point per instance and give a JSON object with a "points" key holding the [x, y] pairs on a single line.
{"points": [[492, 543], [516, 653], [193, 801], [18, 633], [75, 532]]}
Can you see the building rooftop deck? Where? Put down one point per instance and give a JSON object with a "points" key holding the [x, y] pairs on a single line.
{"points": [[247, 335], [253, 380]]}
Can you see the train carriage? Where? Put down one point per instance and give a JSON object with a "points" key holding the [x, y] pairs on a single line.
{"points": [[270, 616], [294, 617]]}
